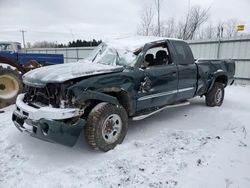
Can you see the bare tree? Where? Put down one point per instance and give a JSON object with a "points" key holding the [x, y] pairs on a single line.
{"points": [[179, 29], [196, 16], [169, 28], [220, 30], [225, 29], [230, 28], [208, 32], [146, 25], [185, 25]]}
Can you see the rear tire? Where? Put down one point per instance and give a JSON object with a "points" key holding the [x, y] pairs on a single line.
{"points": [[106, 126], [11, 86], [216, 96]]}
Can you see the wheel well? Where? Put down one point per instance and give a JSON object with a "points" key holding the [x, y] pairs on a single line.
{"points": [[90, 105], [222, 79], [122, 97]]}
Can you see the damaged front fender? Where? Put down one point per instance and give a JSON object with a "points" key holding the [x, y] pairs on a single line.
{"points": [[94, 95]]}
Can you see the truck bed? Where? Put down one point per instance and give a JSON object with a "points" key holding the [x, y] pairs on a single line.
{"points": [[207, 68]]}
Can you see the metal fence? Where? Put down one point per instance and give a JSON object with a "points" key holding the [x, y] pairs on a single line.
{"points": [[236, 49], [70, 54]]}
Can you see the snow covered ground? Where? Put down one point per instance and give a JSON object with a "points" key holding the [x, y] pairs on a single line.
{"points": [[191, 146]]}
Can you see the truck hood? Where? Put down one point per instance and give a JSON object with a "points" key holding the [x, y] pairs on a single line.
{"points": [[64, 72]]}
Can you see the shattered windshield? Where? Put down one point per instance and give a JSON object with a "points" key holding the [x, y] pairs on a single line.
{"points": [[105, 54]]}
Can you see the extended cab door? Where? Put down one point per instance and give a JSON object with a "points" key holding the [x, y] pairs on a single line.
{"points": [[159, 86], [187, 70]]}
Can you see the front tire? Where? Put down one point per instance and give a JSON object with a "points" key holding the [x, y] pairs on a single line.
{"points": [[216, 96], [106, 126]]}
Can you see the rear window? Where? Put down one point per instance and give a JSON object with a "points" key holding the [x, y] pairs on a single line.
{"points": [[184, 52]]}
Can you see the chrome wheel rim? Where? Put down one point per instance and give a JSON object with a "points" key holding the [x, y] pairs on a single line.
{"points": [[218, 96], [111, 128], [11, 87]]}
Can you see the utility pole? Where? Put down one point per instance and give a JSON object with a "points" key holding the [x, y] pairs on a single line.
{"points": [[219, 35], [184, 34], [159, 21], [22, 31]]}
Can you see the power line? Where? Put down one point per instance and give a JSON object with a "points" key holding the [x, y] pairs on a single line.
{"points": [[22, 31]]}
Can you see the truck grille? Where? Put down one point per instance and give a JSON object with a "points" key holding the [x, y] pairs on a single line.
{"points": [[38, 97]]}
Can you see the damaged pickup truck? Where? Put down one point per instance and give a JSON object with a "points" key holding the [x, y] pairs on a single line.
{"points": [[129, 78]]}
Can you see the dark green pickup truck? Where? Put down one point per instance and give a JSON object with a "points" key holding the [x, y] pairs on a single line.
{"points": [[129, 78]]}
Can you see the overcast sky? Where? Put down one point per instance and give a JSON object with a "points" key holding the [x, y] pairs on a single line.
{"points": [[62, 21]]}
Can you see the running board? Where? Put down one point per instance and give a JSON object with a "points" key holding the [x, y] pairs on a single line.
{"points": [[140, 117]]}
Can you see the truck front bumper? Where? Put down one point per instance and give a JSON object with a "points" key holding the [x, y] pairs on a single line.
{"points": [[50, 124]]}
